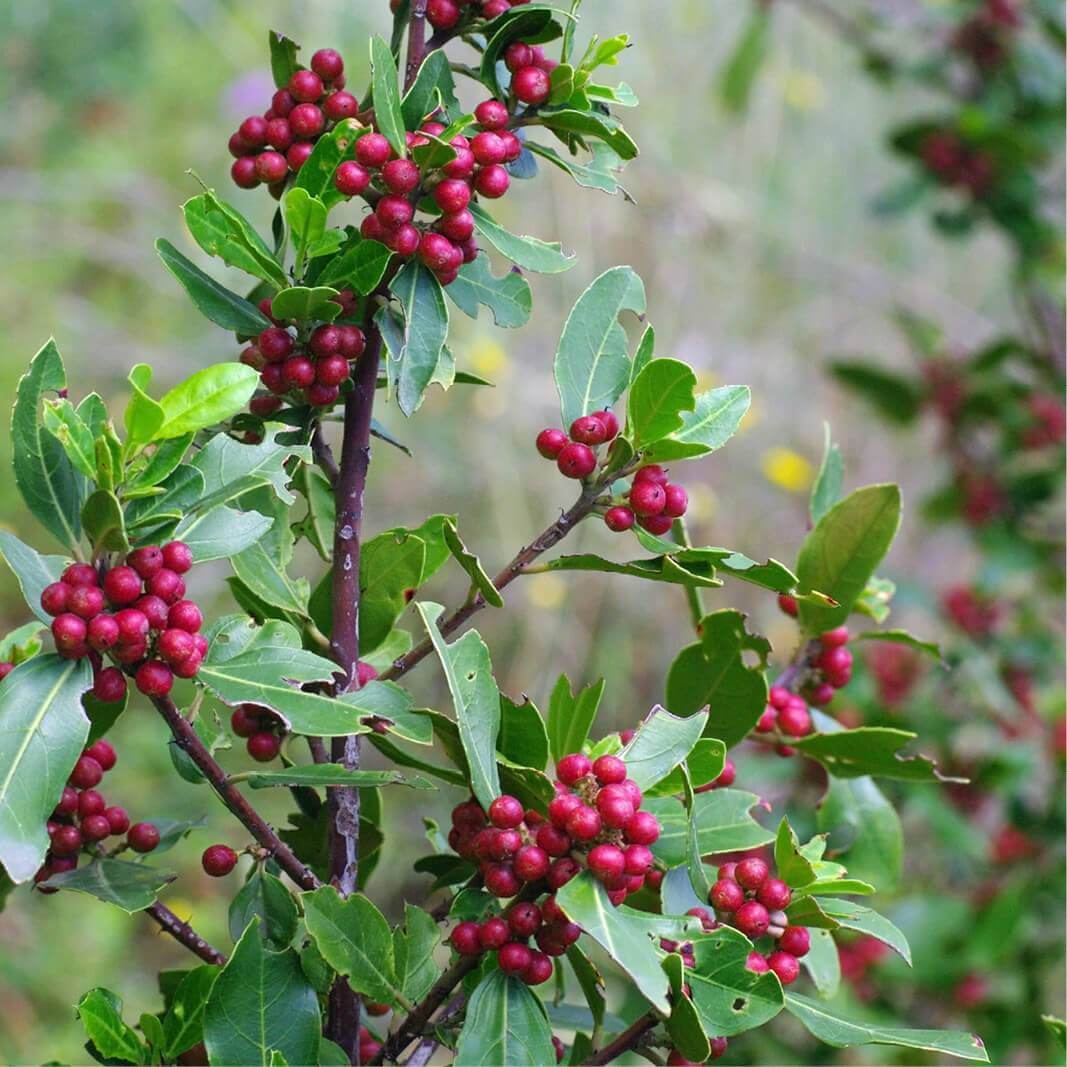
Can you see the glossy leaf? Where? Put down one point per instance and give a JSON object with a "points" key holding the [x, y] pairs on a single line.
{"points": [[267, 900], [570, 715], [870, 750], [104, 523], [658, 569], [221, 230], [42, 731], [32, 571], [302, 304], [839, 555], [902, 637], [129, 886], [264, 566], [833, 1030], [324, 774], [599, 172], [662, 741], [413, 949], [222, 532], [283, 62], [388, 115], [476, 699], [231, 468], [21, 644], [592, 363], [659, 395], [523, 739], [214, 301], [472, 565], [508, 297], [505, 1023], [723, 820], [183, 1024], [851, 916], [52, 488], [360, 266], [261, 1003], [434, 87], [865, 825], [355, 940], [711, 423], [207, 397], [542, 257], [826, 489], [716, 672], [592, 124], [113, 1039], [64, 423]]}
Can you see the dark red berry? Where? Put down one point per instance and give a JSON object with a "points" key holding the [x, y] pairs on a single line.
{"points": [[514, 958], [351, 178], [109, 685], [306, 120], [54, 598], [785, 966], [589, 429], [584, 823], [524, 918], [243, 173], [643, 828], [154, 678], [102, 632], [279, 136], [86, 773], [795, 940], [774, 894], [167, 585], [103, 751], [609, 770], [68, 801], [253, 131], [562, 871], [95, 827], [339, 106], [442, 14], [373, 150], [531, 85], [66, 841], [752, 919], [245, 720], [185, 615], [492, 182], [271, 166], [400, 176], [607, 861], [677, 501], [751, 873], [155, 609], [122, 585], [651, 472], [492, 115], [466, 940], [647, 498], [146, 561], [90, 802], [218, 860], [143, 837], [493, 933], [263, 746], [85, 601], [551, 442], [538, 970], [726, 895], [506, 812], [305, 86], [298, 155], [327, 64], [576, 460]]}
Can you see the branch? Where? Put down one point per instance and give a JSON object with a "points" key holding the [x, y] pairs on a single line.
{"points": [[429, 1045], [626, 1041], [417, 1020], [324, 455], [183, 932], [416, 42], [549, 538], [187, 739]]}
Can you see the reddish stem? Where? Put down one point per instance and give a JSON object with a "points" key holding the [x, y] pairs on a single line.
{"points": [[183, 933], [626, 1041]]}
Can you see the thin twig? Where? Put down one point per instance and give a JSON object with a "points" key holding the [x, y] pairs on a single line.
{"points": [[429, 1045], [323, 454], [189, 742], [627, 1040], [183, 933], [549, 538]]}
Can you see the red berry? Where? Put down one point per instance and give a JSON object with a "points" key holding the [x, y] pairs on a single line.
{"points": [[400, 176], [619, 519], [501, 880], [90, 802], [122, 586], [276, 344], [393, 211], [651, 472], [263, 746], [176, 646], [146, 561], [350, 178], [352, 342], [305, 86], [514, 958], [298, 155], [531, 85], [506, 812], [306, 120], [615, 809], [253, 131], [785, 966], [465, 939], [109, 685], [488, 147], [456, 226], [85, 601], [298, 371], [551, 442], [155, 609], [726, 895], [524, 918], [752, 919], [271, 166], [609, 770], [103, 751], [505, 844], [68, 801], [452, 195], [492, 115], [774, 894], [576, 460], [442, 14], [373, 150], [538, 970], [322, 395], [795, 940], [751, 873], [531, 862], [494, 932], [243, 173], [795, 721], [518, 55], [102, 632], [218, 860], [95, 827], [154, 678], [639, 859], [607, 861], [492, 182], [647, 498], [86, 773], [327, 64], [584, 823], [643, 828], [245, 720], [66, 841], [142, 837], [553, 840], [677, 500], [279, 136], [339, 106], [589, 429], [117, 819], [834, 638], [54, 597], [572, 767], [562, 871], [167, 585], [185, 615]]}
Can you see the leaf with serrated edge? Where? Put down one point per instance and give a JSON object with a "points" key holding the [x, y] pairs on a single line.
{"points": [[507, 297], [505, 1024], [129, 886], [661, 742]]}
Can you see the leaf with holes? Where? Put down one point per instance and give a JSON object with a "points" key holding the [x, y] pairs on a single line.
{"points": [[543, 257], [507, 297]]}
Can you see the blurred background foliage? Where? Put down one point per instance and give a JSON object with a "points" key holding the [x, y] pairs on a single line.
{"points": [[755, 234]]}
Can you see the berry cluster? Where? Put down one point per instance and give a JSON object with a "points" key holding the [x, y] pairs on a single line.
{"points": [[975, 614], [787, 713], [575, 455], [654, 502], [508, 935], [830, 668], [262, 730], [83, 818], [749, 899], [270, 147], [953, 162], [153, 632], [313, 370], [443, 241]]}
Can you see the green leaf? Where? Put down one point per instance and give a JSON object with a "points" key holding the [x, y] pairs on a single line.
{"points": [[32, 571], [870, 750], [893, 396], [263, 566], [207, 397], [684, 1025], [831, 913], [715, 672], [103, 522], [433, 87], [792, 866], [659, 395], [265, 899], [865, 826], [265, 665], [64, 423], [164, 460], [221, 230], [624, 934], [21, 643], [711, 423], [840, 554], [413, 948], [728, 997], [523, 739], [600, 172], [183, 1025], [833, 1030], [360, 266], [661, 743], [306, 217], [508, 298], [411, 368], [355, 940], [570, 716], [112, 1038], [505, 1023], [389, 565], [42, 731], [316, 175], [902, 637], [476, 699], [144, 416], [738, 74], [222, 532], [591, 124], [826, 491], [665, 568], [473, 566], [47, 480], [592, 365], [543, 257], [302, 304], [323, 774], [723, 821], [823, 963], [129, 886], [260, 1003], [385, 89], [214, 301], [283, 64]]}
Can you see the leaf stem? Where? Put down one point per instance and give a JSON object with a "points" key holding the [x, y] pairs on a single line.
{"points": [[187, 739], [626, 1041], [183, 933]]}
